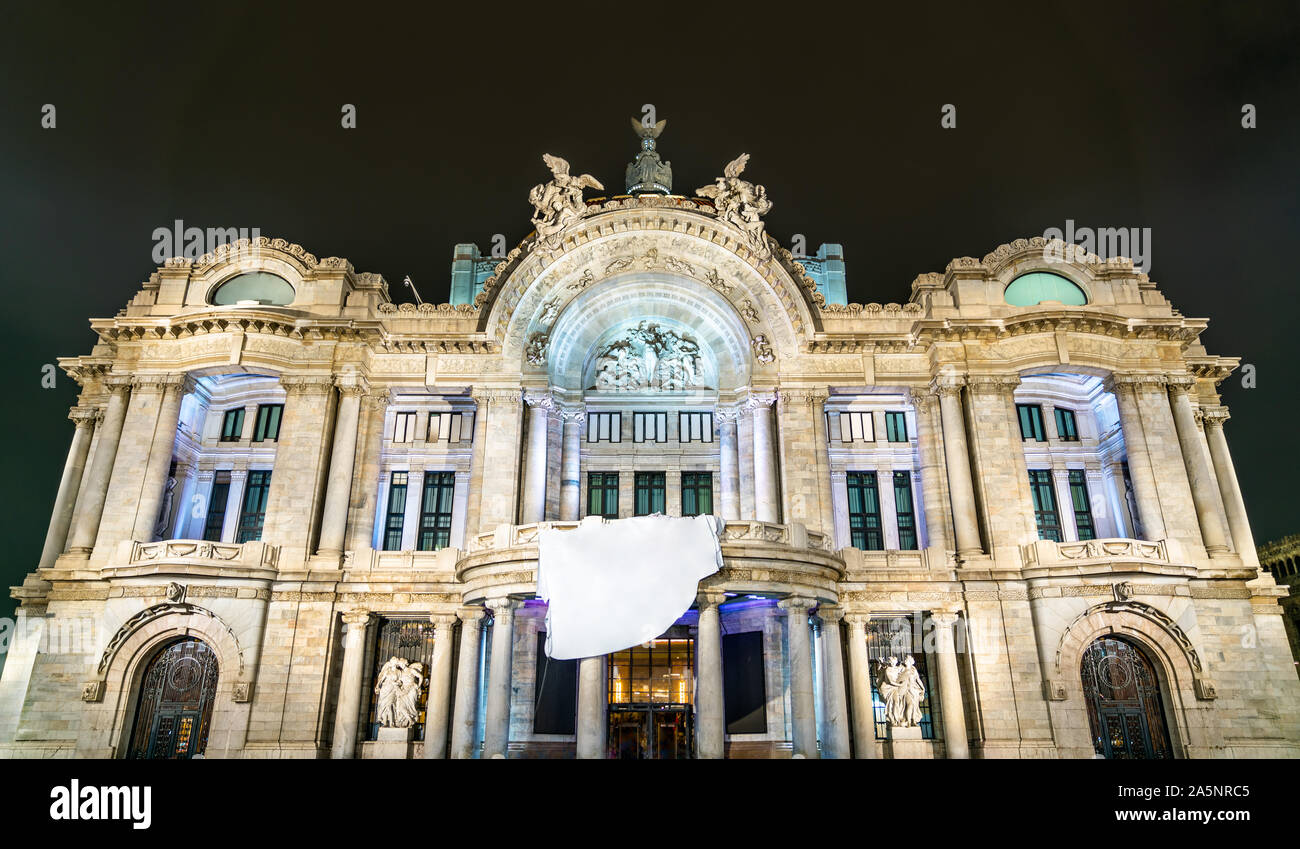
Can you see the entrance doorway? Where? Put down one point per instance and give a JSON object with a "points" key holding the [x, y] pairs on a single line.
{"points": [[174, 709], [651, 693], [1125, 712]]}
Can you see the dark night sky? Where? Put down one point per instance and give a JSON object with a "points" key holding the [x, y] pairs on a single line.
{"points": [[1105, 114]]}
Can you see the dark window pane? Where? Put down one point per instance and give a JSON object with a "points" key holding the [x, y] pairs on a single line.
{"points": [[232, 425], [253, 516], [906, 513], [744, 683], [396, 512], [1045, 514], [865, 529], [217, 507], [435, 511], [555, 702]]}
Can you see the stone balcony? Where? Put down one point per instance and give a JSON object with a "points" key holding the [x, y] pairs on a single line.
{"points": [[1044, 558], [758, 557], [198, 558]]}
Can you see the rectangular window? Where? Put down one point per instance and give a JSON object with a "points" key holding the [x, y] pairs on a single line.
{"points": [[1065, 425], [895, 426], [649, 427], [905, 511], [267, 426], [1031, 422], [217, 507], [604, 427], [555, 700], [864, 512], [449, 427], [254, 513], [648, 488], [857, 426], [1082, 504], [396, 515], [697, 493], [1049, 521], [602, 494], [744, 684], [232, 425], [435, 511], [695, 427], [404, 426]]}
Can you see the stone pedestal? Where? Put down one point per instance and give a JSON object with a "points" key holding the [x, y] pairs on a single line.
{"points": [[394, 744], [904, 743]]}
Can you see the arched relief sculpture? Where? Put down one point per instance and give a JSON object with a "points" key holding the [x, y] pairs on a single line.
{"points": [[649, 356]]}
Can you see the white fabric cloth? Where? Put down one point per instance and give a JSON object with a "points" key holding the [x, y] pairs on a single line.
{"points": [[613, 585]]}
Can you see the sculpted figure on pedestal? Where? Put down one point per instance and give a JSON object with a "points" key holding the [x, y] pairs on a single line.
{"points": [[741, 203], [902, 691], [398, 690], [558, 203]]}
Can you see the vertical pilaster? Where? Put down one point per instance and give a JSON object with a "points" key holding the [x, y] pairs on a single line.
{"points": [[438, 712], [710, 719], [957, 457], [338, 490], [835, 741], [1234, 505], [571, 463], [1150, 518], [365, 488], [346, 722], [1199, 475], [90, 507], [929, 439], [728, 462], [802, 701], [593, 701], [533, 508], [172, 389], [950, 697], [500, 446], [767, 507], [465, 716], [56, 536], [864, 718], [496, 731]]}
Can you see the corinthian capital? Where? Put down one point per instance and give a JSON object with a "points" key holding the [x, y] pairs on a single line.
{"points": [[947, 384], [993, 383], [574, 413], [1214, 416], [351, 384], [306, 384], [726, 413], [540, 399], [86, 416], [757, 400], [1180, 384]]}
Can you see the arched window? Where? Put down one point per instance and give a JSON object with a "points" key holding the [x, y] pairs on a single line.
{"points": [[260, 287], [1038, 286]]}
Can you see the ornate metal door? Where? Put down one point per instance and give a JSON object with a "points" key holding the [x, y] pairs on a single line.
{"points": [[175, 704], [1125, 712]]}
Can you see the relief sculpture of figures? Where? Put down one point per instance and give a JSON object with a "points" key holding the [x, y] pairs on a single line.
{"points": [[741, 203], [902, 691], [397, 692], [649, 357], [558, 203]]}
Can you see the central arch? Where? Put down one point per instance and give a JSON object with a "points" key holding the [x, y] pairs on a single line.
{"points": [[1126, 714], [173, 713]]}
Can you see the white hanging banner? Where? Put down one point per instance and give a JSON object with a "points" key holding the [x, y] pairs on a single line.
{"points": [[616, 584]]}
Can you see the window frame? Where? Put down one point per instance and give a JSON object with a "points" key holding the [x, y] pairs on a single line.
{"points": [[894, 421], [867, 531], [655, 486], [217, 505], [434, 530], [1062, 416], [394, 487], [685, 427], [902, 482], [235, 414], [695, 484], [614, 426], [1040, 483], [607, 484], [262, 425], [1077, 480], [659, 419], [1031, 422], [252, 522], [404, 421]]}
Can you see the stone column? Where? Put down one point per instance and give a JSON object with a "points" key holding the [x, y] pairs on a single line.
{"points": [[438, 712], [374, 410], [767, 506], [533, 508], [802, 704], [496, 731], [928, 441], [957, 458], [56, 537], [347, 720], [478, 456], [710, 718], [1064, 504], [592, 702], [1198, 470], [234, 504], [728, 462], [338, 490], [571, 463], [465, 717], [864, 717], [1150, 519], [950, 699], [821, 450], [836, 724], [183, 497], [1233, 504], [160, 457]]}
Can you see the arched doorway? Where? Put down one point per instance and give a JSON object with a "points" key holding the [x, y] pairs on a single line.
{"points": [[1125, 712], [174, 710]]}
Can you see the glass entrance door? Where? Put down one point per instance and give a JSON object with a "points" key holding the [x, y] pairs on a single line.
{"points": [[651, 693]]}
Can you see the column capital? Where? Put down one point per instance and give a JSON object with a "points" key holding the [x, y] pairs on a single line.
{"points": [[501, 606], [830, 612], [1180, 384], [726, 413], [947, 385], [443, 620], [803, 395], [576, 413], [496, 396], [1214, 416], [857, 621], [471, 614], [796, 604], [1134, 381], [86, 416], [710, 599], [943, 619], [539, 399], [351, 385], [922, 398], [116, 383], [357, 617], [759, 400], [993, 383], [306, 384], [164, 382]]}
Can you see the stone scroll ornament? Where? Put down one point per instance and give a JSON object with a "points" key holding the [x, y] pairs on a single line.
{"points": [[558, 203], [397, 691], [741, 204], [902, 691]]}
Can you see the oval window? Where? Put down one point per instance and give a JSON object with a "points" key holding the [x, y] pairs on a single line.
{"points": [[1038, 286], [260, 287]]}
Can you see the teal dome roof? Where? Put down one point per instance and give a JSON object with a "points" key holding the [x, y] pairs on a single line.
{"points": [[261, 286], [1038, 286]]}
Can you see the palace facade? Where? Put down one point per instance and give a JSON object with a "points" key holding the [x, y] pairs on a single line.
{"points": [[279, 479]]}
